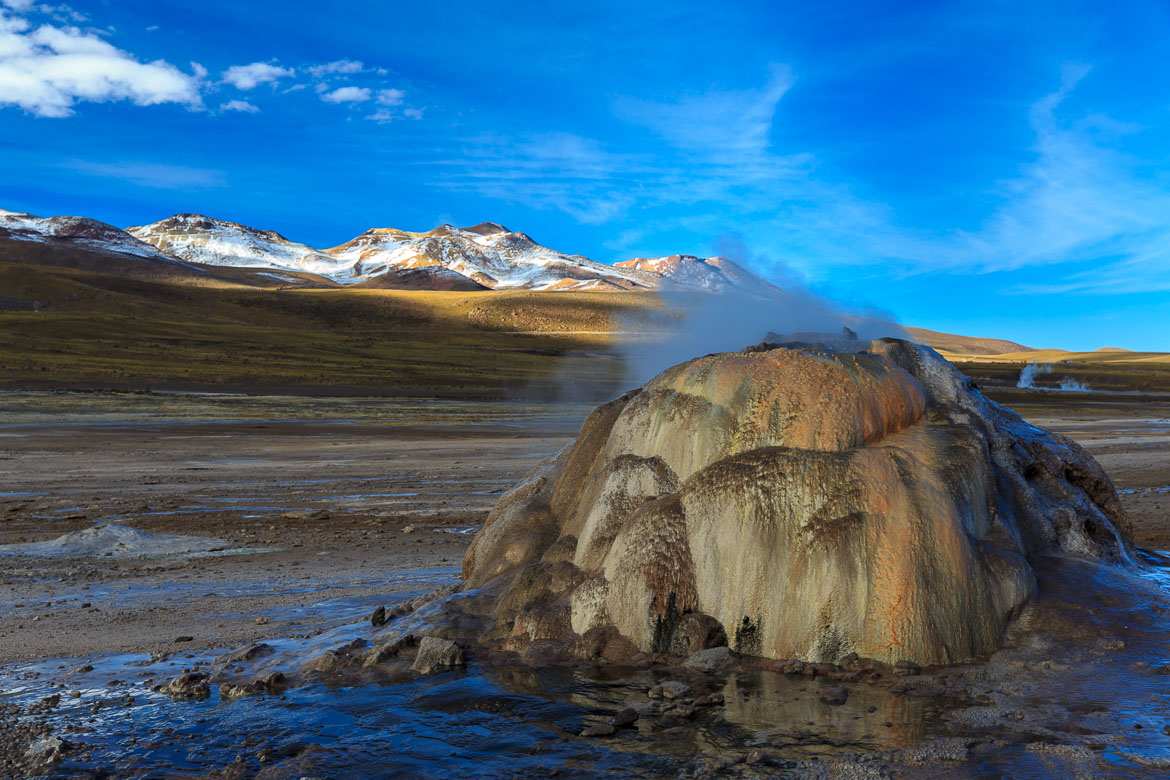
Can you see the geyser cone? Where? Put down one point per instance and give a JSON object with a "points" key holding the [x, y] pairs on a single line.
{"points": [[792, 503]]}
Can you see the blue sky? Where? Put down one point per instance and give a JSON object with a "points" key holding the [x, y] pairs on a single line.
{"points": [[990, 168]]}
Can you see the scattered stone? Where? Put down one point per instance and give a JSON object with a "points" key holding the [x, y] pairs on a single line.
{"points": [[184, 639], [338, 658], [671, 689], [710, 700], [190, 685], [389, 650], [46, 750], [378, 618], [710, 660], [262, 620], [599, 730], [248, 653], [436, 655], [905, 668], [408, 529], [625, 717]]}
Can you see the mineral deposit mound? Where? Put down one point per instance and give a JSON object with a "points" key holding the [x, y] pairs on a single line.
{"points": [[790, 503]]}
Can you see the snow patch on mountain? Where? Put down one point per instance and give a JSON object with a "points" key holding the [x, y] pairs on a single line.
{"points": [[487, 253], [82, 231], [713, 274], [200, 239]]}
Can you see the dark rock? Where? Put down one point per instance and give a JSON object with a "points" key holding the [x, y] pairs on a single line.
{"points": [[378, 618], [599, 730], [391, 649], [248, 653], [671, 689], [905, 667], [710, 700], [47, 750], [709, 660], [625, 717], [437, 655], [190, 685], [349, 654], [184, 639]]}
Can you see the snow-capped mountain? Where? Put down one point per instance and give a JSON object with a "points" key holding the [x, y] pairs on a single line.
{"points": [[200, 239], [486, 253], [714, 274], [77, 231]]}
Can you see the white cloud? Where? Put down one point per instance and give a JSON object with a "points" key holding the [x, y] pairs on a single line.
{"points": [[199, 71], [382, 116], [239, 105], [720, 123], [331, 68], [413, 113], [391, 97], [250, 76], [151, 174], [347, 95], [47, 70]]}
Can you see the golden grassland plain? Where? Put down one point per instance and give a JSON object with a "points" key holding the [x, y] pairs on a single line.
{"points": [[78, 329], [99, 331], [1100, 371]]}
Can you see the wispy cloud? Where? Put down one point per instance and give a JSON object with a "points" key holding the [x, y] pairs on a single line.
{"points": [[1081, 199], [48, 70], [151, 174], [242, 106], [552, 171], [335, 68], [717, 149], [250, 76], [347, 95], [730, 124]]}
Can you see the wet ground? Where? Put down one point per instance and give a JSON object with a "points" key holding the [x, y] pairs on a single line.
{"points": [[370, 503]]}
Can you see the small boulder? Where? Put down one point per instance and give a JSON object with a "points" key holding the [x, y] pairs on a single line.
{"points": [[390, 650], [710, 660], [671, 689], [600, 730], [378, 618], [248, 653], [46, 750], [624, 717], [906, 668], [190, 685], [437, 655]]}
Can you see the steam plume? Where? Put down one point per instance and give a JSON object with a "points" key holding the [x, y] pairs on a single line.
{"points": [[692, 323]]}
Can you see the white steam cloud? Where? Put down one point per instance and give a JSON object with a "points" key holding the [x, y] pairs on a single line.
{"points": [[1028, 376], [692, 324]]}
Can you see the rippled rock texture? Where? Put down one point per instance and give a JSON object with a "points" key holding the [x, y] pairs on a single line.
{"points": [[791, 504]]}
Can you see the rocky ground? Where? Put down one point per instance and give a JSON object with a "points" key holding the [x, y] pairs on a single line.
{"points": [[315, 521]]}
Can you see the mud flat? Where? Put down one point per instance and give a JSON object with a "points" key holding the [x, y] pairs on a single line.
{"points": [[308, 513], [298, 510]]}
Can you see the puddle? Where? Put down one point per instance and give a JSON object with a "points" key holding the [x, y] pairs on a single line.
{"points": [[498, 722]]}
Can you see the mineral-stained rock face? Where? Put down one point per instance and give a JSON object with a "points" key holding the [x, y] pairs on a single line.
{"points": [[792, 504]]}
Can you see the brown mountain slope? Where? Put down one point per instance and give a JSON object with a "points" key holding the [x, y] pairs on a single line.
{"points": [[964, 345]]}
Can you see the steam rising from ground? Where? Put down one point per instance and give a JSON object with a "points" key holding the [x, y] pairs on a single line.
{"points": [[1029, 374], [1033, 370], [691, 324]]}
